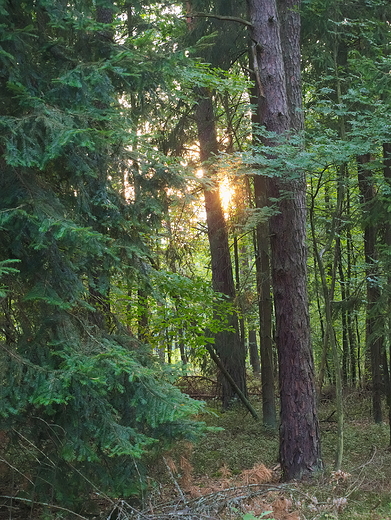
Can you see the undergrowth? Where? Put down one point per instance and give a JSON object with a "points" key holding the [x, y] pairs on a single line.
{"points": [[242, 452], [233, 474]]}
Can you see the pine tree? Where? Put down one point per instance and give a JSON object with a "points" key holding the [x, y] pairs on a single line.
{"points": [[276, 35]]}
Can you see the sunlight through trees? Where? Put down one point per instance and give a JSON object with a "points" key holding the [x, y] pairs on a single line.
{"points": [[188, 190]]}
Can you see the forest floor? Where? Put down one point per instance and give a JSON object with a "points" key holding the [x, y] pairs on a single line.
{"points": [[233, 474]]}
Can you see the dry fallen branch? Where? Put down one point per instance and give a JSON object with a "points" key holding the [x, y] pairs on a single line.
{"points": [[177, 486], [45, 504], [206, 507], [218, 500]]}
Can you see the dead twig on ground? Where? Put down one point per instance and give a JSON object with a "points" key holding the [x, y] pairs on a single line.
{"points": [[44, 504], [177, 486]]}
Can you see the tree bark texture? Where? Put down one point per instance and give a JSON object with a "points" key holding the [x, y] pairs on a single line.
{"points": [[289, 14], [387, 240], [227, 343], [299, 429]]}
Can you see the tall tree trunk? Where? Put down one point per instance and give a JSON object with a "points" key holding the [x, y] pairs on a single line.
{"points": [[262, 264], [263, 277], [239, 302], [227, 344], [344, 314], [299, 430], [387, 240], [373, 321], [353, 348]]}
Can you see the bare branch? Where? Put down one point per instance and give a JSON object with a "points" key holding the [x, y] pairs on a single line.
{"points": [[46, 504], [219, 17]]}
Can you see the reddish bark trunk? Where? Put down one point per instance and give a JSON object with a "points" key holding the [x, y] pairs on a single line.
{"points": [[227, 344], [299, 431], [387, 240]]}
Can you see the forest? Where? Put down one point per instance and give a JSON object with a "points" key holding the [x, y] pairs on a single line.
{"points": [[195, 260]]}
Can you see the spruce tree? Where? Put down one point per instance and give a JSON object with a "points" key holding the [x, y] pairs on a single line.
{"points": [[81, 398]]}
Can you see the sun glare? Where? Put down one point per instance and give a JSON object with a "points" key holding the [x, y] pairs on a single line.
{"points": [[227, 192]]}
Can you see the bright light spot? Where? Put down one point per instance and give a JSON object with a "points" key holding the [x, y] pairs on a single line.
{"points": [[200, 173], [227, 192]]}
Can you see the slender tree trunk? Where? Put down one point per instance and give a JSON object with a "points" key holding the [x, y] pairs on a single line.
{"points": [[253, 351], [320, 319], [263, 278], [387, 176], [344, 318], [242, 332], [328, 295], [262, 263], [350, 314], [324, 365], [299, 430], [227, 344], [373, 321]]}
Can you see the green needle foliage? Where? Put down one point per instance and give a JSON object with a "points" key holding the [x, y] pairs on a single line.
{"points": [[84, 401]]}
